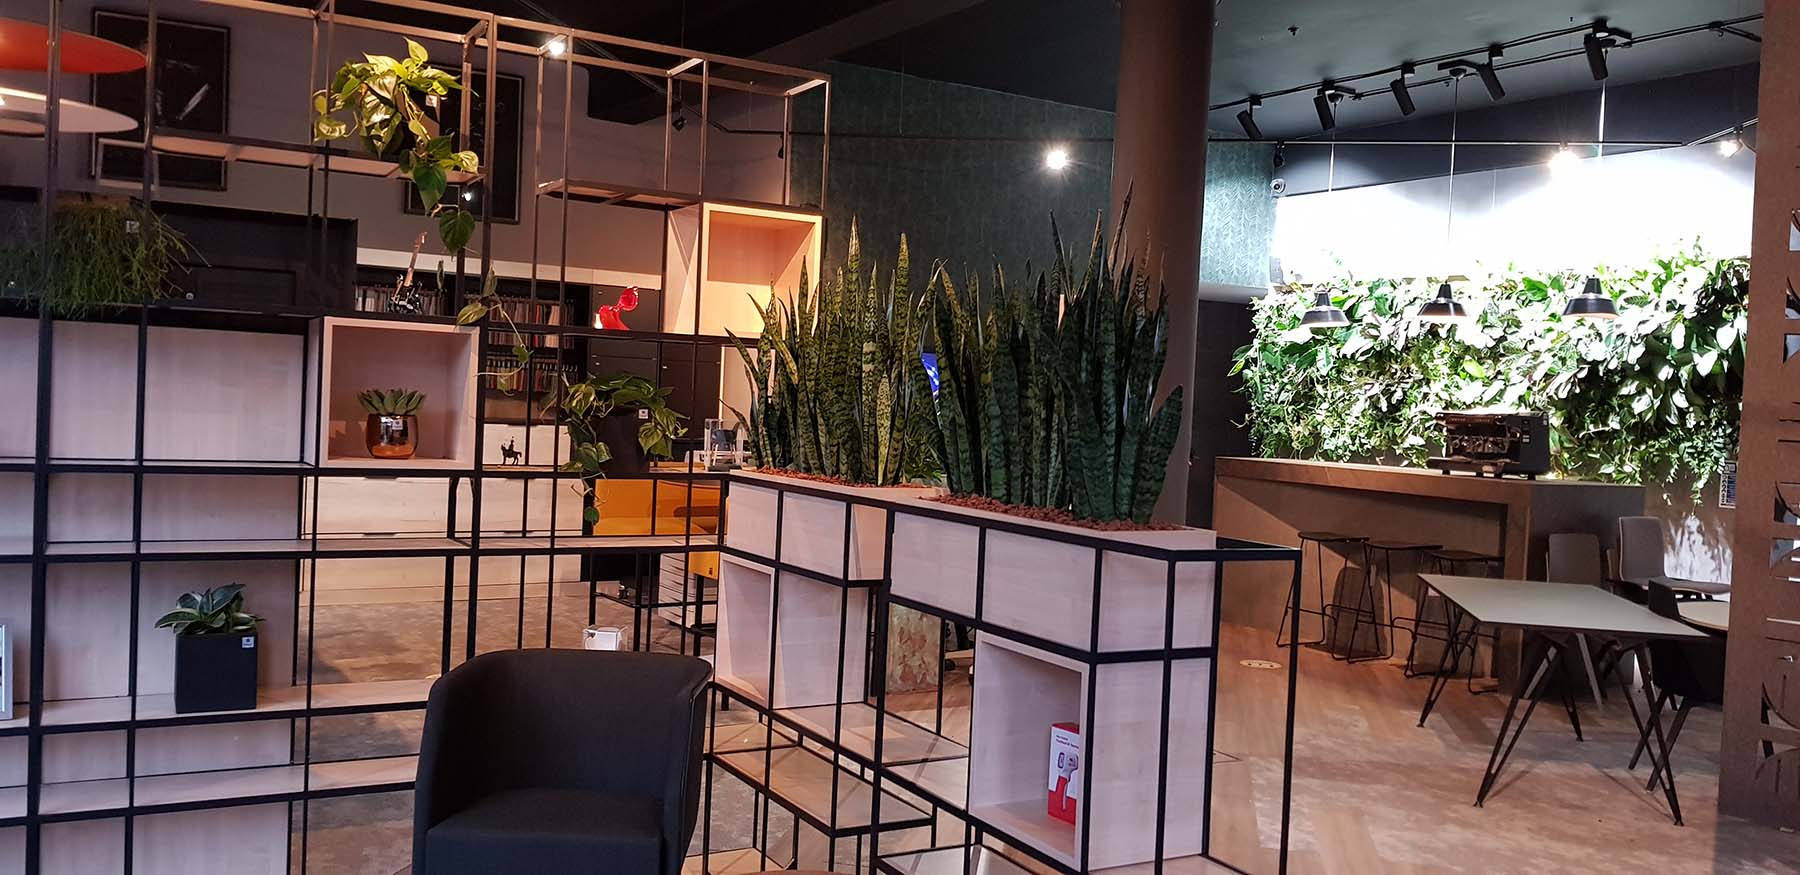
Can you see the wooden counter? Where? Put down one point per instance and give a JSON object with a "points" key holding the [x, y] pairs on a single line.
{"points": [[1272, 500]]}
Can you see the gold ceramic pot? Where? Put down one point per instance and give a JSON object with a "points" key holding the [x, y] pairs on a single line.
{"points": [[392, 437]]}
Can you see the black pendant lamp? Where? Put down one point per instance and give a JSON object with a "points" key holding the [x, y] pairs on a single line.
{"points": [[1443, 308], [1323, 314], [1592, 303]]}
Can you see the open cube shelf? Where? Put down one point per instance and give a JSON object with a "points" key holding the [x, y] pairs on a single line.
{"points": [[1020, 691], [816, 628], [724, 260], [438, 360]]}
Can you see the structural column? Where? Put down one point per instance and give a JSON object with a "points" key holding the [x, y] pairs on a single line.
{"points": [[1159, 156], [1759, 757]]}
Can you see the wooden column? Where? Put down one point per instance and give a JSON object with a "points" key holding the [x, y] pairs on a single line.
{"points": [[1159, 155], [1759, 761]]}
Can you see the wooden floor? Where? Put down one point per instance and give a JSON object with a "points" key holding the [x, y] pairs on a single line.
{"points": [[1374, 792]]}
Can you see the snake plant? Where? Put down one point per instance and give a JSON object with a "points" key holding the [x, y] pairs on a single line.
{"points": [[838, 387]]}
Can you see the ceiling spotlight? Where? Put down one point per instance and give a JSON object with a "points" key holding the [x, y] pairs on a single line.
{"points": [[1326, 101], [1592, 303], [1279, 158], [1596, 44], [1402, 96], [468, 194], [1056, 158], [1490, 80], [1323, 314], [679, 121], [1444, 308], [1732, 143], [1247, 118], [556, 47]]}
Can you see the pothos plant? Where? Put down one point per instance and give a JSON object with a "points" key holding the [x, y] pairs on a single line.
{"points": [[387, 99], [585, 404], [1651, 397]]}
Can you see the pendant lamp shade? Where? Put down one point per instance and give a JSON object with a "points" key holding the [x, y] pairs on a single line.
{"points": [[1444, 307], [1592, 303], [1323, 314]]}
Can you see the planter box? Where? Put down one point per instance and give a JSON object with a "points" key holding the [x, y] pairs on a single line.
{"points": [[1042, 584], [812, 526], [215, 672]]}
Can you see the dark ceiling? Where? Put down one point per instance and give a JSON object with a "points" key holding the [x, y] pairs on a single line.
{"points": [[1067, 50]]}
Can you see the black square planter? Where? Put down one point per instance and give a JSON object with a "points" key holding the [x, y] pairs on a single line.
{"points": [[215, 672]]}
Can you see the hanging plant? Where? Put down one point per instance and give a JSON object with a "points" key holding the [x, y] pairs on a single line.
{"points": [[106, 251], [387, 100], [1651, 397]]}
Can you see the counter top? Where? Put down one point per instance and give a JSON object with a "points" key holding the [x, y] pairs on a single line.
{"points": [[1409, 481]]}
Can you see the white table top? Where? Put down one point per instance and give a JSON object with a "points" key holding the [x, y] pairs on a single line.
{"points": [[1532, 604], [1712, 615]]}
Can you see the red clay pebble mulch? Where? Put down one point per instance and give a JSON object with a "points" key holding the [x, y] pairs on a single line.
{"points": [[827, 478], [1051, 515]]}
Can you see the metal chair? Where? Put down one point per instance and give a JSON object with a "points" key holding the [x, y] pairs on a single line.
{"points": [[1444, 561], [1319, 540], [1575, 558], [1378, 555], [1685, 674]]}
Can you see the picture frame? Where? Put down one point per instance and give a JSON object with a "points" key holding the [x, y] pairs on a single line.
{"points": [[193, 79]]}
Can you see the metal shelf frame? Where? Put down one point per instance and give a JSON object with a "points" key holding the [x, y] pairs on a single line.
{"points": [[878, 767], [474, 32]]}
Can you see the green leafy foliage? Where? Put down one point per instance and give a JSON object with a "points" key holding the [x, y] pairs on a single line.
{"points": [[391, 402], [587, 403], [386, 99], [101, 252], [1652, 397], [838, 388], [216, 611]]}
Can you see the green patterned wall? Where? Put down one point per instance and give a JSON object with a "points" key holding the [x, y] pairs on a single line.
{"points": [[960, 171]]}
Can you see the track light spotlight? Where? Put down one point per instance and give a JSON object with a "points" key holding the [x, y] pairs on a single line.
{"points": [[1247, 118], [1596, 44], [1490, 80], [1279, 158], [679, 121], [1731, 143], [1326, 101], [1402, 96]]}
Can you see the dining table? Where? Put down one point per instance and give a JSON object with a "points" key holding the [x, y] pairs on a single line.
{"points": [[1709, 614], [1553, 618]]}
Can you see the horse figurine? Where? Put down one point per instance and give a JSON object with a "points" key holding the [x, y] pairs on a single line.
{"points": [[607, 315], [510, 455]]}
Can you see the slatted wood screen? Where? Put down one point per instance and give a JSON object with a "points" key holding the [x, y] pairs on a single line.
{"points": [[1760, 759]]}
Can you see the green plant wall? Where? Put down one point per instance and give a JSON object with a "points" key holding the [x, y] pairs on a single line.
{"points": [[1652, 397]]}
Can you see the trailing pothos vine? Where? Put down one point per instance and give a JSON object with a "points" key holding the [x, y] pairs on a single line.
{"points": [[1651, 397]]}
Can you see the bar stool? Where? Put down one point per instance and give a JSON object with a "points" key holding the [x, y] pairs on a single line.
{"points": [[1319, 540], [1379, 555], [1445, 561]]}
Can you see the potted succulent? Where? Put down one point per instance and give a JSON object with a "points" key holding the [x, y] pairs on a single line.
{"points": [[215, 650], [393, 426]]}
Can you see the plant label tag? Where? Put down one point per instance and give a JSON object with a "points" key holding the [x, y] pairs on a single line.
{"points": [[643, 413], [248, 642]]}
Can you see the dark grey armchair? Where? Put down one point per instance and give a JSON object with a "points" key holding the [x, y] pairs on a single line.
{"points": [[561, 761]]}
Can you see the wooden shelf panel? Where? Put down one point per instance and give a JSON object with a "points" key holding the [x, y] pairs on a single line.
{"points": [[741, 861], [988, 861], [903, 742], [595, 543], [110, 797], [276, 153], [946, 780], [742, 737], [801, 780], [76, 714], [1029, 822], [252, 548], [616, 194]]}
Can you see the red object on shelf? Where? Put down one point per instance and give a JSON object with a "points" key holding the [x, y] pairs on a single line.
{"points": [[25, 45], [607, 315], [1065, 771]]}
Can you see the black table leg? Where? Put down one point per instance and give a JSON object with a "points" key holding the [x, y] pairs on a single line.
{"points": [[1568, 692], [1448, 660], [1662, 747], [1503, 747]]}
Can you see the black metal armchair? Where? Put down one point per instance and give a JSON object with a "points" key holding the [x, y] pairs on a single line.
{"points": [[561, 761]]}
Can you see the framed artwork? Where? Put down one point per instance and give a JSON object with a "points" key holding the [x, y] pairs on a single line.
{"points": [[503, 176], [193, 67]]}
